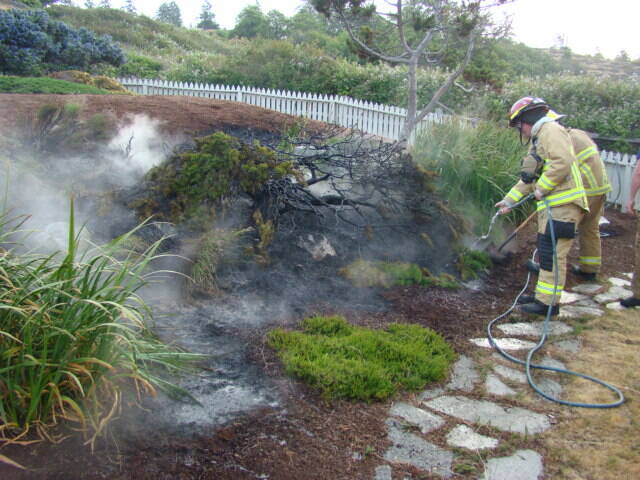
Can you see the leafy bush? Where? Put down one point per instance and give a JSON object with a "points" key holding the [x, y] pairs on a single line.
{"points": [[11, 84], [141, 67], [72, 333], [32, 43], [355, 363], [605, 106]]}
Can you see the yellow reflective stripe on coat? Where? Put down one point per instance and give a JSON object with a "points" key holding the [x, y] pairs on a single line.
{"points": [[590, 260], [567, 196], [594, 192], [546, 183], [588, 173], [587, 152], [548, 288], [515, 195]]}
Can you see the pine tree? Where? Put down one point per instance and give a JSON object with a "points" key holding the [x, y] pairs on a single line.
{"points": [[169, 13], [207, 18], [130, 7], [104, 4], [89, 4]]}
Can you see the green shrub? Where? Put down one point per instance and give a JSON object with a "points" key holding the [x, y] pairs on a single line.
{"points": [[355, 363], [606, 106], [9, 84], [141, 67]]}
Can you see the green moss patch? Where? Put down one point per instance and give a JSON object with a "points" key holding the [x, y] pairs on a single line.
{"points": [[364, 273], [356, 363]]}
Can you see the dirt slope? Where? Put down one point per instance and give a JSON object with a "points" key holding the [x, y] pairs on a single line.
{"points": [[178, 114]]}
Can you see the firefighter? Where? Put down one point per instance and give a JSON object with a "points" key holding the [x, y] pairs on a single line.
{"points": [[596, 186], [551, 172]]}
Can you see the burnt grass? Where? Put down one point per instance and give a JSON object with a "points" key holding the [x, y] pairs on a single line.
{"points": [[303, 437]]}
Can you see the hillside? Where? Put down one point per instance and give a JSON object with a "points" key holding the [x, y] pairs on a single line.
{"points": [[599, 66]]}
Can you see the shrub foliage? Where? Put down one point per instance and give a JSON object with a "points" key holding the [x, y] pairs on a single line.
{"points": [[32, 43], [355, 363]]}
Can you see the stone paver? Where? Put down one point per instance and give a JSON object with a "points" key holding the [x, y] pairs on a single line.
{"points": [[619, 282], [510, 374], [464, 375], [413, 450], [588, 288], [522, 465], [431, 393], [574, 311], [505, 343], [534, 329], [464, 437], [549, 387], [495, 386], [570, 297], [383, 472], [551, 362], [587, 302], [424, 420], [508, 419], [615, 306], [614, 293]]}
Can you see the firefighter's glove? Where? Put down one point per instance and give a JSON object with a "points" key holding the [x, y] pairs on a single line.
{"points": [[531, 168], [538, 194], [503, 207]]}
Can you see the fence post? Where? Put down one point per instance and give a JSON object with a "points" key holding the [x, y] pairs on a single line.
{"points": [[239, 95]]}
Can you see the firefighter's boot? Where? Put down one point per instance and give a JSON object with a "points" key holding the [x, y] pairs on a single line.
{"points": [[538, 308]]}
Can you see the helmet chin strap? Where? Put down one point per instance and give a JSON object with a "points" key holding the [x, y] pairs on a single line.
{"points": [[519, 127]]}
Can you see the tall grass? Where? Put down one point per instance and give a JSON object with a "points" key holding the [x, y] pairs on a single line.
{"points": [[72, 332], [475, 166]]}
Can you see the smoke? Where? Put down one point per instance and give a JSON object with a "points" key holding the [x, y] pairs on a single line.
{"points": [[39, 187], [137, 147]]}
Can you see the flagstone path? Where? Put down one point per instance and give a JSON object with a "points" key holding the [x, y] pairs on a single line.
{"points": [[457, 407]]}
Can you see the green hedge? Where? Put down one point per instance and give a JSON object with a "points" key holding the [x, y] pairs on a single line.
{"points": [[10, 84]]}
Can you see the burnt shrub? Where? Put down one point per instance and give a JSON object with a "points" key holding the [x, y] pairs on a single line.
{"points": [[31, 43], [189, 186]]}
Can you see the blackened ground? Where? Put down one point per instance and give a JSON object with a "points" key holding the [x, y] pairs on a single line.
{"points": [[306, 438]]}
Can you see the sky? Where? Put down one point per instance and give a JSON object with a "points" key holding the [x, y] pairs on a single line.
{"points": [[586, 26]]}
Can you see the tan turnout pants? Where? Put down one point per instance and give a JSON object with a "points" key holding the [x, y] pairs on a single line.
{"points": [[590, 256], [546, 290]]}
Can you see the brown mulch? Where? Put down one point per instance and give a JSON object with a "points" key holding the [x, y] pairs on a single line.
{"points": [[305, 438]]}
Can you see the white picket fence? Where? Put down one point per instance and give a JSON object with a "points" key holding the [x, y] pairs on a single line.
{"points": [[381, 120], [619, 169]]}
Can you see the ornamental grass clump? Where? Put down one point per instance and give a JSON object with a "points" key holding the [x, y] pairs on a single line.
{"points": [[72, 333], [344, 361]]}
